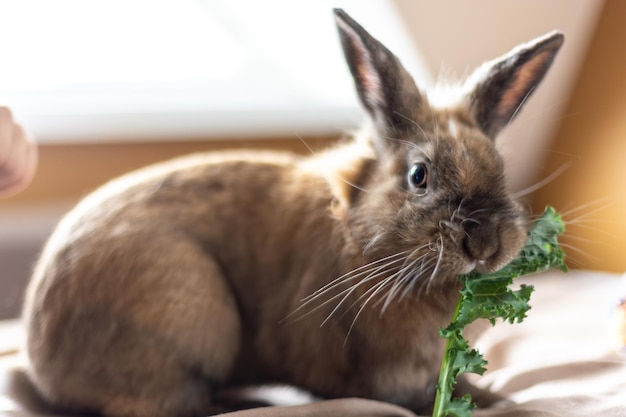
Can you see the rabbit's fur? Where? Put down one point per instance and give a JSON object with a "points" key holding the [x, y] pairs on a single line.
{"points": [[173, 281]]}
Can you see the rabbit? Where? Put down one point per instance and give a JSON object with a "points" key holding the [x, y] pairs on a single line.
{"points": [[331, 272]]}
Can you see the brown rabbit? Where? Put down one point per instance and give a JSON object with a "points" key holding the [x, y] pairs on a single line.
{"points": [[175, 281]]}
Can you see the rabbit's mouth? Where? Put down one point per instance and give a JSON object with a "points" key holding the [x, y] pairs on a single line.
{"points": [[489, 264], [492, 264], [482, 266]]}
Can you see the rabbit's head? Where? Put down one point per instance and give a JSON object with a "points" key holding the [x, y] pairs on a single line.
{"points": [[433, 197]]}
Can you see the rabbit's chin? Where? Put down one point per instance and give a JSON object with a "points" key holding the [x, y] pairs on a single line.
{"points": [[470, 266]]}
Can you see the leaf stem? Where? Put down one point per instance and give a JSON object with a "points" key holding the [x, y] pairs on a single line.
{"points": [[442, 396]]}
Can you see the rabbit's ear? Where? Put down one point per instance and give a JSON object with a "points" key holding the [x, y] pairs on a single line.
{"points": [[499, 88], [385, 88]]}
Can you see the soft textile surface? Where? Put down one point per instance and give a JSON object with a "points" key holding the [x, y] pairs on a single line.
{"points": [[559, 362]]}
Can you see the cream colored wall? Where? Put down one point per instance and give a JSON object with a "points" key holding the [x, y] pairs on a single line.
{"points": [[592, 138]]}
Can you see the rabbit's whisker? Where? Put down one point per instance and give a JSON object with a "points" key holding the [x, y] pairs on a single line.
{"points": [[375, 290], [367, 273], [586, 214], [398, 274], [405, 275], [379, 285], [542, 183], [348, 292], [438, 264], [399, 270], [354, 274], [371, 273], [425, 266], [520, 105], [339, 177], [412, 122], [416, 276], [580, 225]]}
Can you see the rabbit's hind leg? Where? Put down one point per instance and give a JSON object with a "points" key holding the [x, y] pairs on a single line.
{"points": [[191, 336], [150, 335]]}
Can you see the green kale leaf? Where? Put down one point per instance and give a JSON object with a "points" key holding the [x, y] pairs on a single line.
{"points": [[488, 296]]}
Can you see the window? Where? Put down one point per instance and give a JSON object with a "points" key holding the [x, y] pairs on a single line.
{"points": [[143, 69]]}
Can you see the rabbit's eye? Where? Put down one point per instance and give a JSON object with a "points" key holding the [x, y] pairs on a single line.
{"points": [[418, 177]]}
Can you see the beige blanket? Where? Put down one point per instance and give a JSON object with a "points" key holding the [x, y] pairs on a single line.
{"points": [[560, 362]]}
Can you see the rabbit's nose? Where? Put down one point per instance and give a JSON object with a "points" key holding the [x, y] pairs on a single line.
{"points": [[481, 240]]}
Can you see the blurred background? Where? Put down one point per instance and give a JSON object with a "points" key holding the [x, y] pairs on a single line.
{"points": [[109, 86]]}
